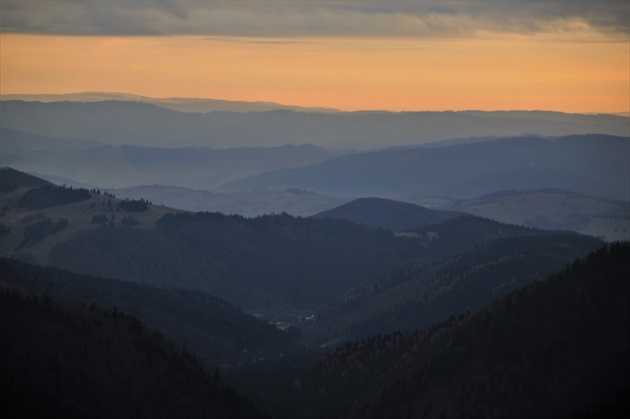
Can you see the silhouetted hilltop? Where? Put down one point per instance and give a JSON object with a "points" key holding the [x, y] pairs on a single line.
{"points": [[11, 179], [387, 214]]}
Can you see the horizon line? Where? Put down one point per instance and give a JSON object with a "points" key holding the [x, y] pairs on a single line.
{"points": [[284, 105]]}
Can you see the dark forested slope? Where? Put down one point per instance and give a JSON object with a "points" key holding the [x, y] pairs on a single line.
{"points": [[75, 361], [425, 293], [260, 262], [216, 331], [11, 179], [553, 349]]}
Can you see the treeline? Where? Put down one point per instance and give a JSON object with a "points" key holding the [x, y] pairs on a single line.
{"points": [[79, 361], [51, 196], [134, 205], [11, 179], [556, 348]]}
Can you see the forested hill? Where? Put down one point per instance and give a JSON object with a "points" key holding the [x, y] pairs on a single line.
{"points": [[263, 262], [387, 214], [557, 348], [11, 179], [463, 233], [218, 332], [78, 361], [425, 293]]}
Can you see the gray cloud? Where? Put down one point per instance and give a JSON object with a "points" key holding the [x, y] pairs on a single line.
{"points": [[311, 18]]}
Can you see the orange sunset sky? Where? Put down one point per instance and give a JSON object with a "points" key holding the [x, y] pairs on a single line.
{"points": [[489, 55]]}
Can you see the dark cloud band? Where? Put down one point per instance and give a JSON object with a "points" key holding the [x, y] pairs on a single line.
{"points": [[312, 18]]}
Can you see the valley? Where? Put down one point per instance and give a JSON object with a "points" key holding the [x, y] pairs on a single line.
{"points": [[293, 273], [313, 209]]}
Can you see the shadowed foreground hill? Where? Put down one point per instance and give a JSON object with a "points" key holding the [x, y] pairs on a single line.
{"points": [[553, 349], [218, 332], [75, 361]]}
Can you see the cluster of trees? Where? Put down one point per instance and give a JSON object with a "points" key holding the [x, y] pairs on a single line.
{"points": [[11, 179], [50, 196], [99, 219], [129, 221], [134, 205], [36, 232]]}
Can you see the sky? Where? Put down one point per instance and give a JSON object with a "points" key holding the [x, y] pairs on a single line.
{"points": [[570, 56]]}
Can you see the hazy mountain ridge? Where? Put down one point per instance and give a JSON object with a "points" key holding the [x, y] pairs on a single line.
{"points": [[296, 202], [141, 124], [18, 142], [552, 209], [106, 166], [197, 105], [590, 164]]}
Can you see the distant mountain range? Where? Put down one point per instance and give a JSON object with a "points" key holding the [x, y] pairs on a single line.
{"points": [[434, 254], [551, 209], [180, 104], [148, 125], [249, 204], [594, 164], [106, 166]]}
